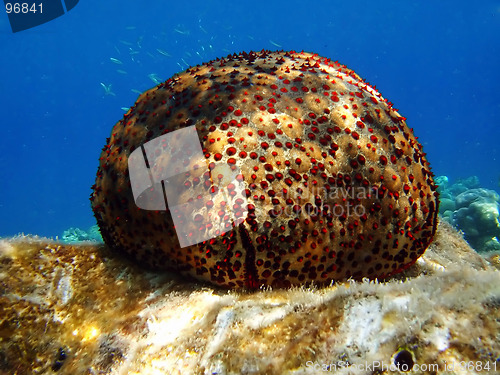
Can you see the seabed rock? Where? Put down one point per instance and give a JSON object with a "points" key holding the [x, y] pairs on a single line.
{"points": [[80, 309]]}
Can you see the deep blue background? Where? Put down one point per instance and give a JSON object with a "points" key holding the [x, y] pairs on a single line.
{"points": [[439, 64]]}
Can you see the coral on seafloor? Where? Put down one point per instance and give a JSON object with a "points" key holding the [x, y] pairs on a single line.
{"points": [[82, 309], [473, 210], [75, 235], [478, 212]]}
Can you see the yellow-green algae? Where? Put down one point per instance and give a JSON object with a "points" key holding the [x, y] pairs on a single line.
{"points": [[79, 309]]}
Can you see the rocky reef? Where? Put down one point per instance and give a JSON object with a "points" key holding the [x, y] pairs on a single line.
{"points": [[81, 309], [473, 210]]}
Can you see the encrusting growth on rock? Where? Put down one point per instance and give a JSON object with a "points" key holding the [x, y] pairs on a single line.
{"points": [[80, 309]]}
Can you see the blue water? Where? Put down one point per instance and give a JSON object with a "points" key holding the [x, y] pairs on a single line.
{"points": [[438, 64]]}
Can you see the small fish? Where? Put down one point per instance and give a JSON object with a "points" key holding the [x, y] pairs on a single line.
{"points": [[183, 32], [164, 53], [121, 71], [150, 55], [154, 77], [125, 42], [107, 89], [188, 54], [117, 50], [184, 61], [116, 61], [202, 29], [274, 43], [132, 52], [136, 91], [130, 28], [125, 109]]}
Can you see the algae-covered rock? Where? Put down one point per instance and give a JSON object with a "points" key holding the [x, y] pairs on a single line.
{"points": [[80, 309]]}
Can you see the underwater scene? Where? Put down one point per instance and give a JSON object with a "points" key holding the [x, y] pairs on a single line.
{"points": [[220, 187]]}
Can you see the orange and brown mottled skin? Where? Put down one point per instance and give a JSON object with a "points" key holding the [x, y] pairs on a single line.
{"points": [[312, 140]]}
